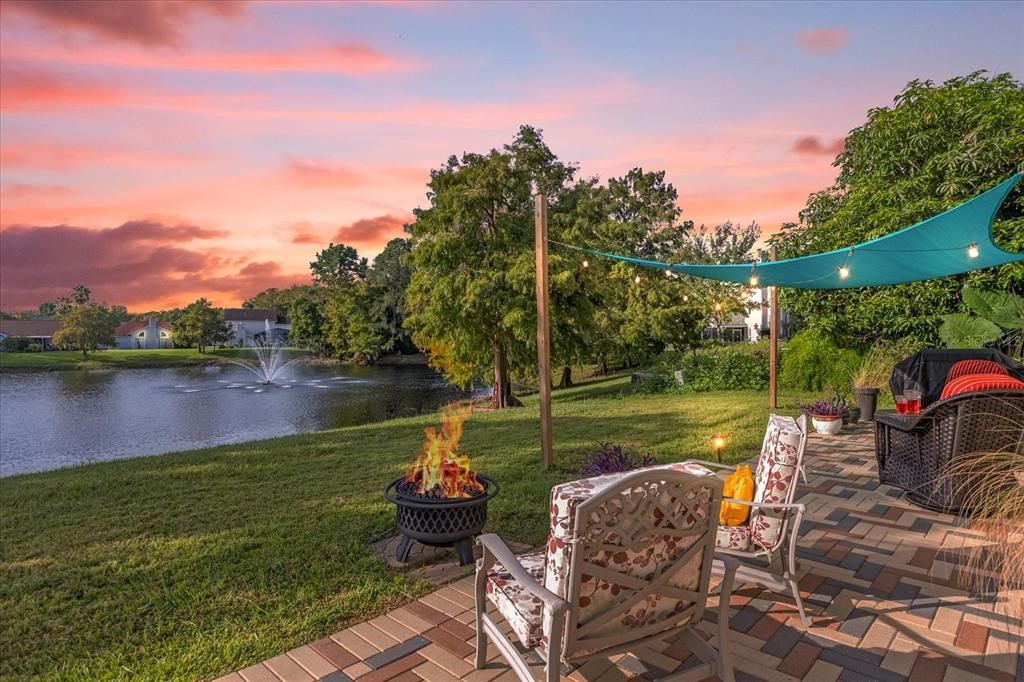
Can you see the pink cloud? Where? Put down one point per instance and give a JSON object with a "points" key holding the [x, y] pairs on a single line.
{"points": [[348, 58], [29, 191], [59, 156], [372, 232], [32, 89], [139, 263], [822, 40], [318, 173], [147, 22], [811, 144]]}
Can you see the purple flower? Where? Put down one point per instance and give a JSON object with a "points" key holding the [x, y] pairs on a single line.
{"points": [[613, 458]]}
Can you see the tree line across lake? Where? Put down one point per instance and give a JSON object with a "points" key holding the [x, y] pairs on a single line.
{"points": [[460, 285]]}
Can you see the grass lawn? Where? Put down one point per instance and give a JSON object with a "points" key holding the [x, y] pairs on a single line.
{"points": [[194, 564], [171, 357]]}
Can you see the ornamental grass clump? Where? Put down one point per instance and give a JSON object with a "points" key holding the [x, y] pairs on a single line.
{"points": [[875, 368], [613, 458], [992, 486]]}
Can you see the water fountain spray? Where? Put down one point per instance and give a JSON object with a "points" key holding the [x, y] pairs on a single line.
{"points": [[268, 359]]}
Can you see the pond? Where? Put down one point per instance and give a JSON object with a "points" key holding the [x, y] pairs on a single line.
{"points": [[50, 420]]}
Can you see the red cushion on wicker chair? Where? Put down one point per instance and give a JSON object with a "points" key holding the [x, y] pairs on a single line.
{"points": [[978, 382], [965, 367]]}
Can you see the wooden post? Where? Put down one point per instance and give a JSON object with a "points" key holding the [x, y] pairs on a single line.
{"points": [[543, 330], [773, 342]]}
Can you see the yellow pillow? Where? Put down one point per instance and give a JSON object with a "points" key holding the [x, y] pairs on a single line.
{"points": [[739, 485]]}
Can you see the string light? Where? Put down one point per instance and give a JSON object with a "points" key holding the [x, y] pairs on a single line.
{"points": [[718, 307], [668, 272], [637, 280], [754, 279], [844, 269], [586, 263], [686, 299], [972, 251]]}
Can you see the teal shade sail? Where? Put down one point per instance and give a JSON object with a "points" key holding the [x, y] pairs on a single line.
{"points": [[956, 241]]}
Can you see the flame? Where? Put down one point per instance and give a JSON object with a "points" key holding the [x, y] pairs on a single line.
{"points": [[440, 470]]}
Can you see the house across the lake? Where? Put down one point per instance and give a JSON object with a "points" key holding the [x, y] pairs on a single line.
{"points": [[37, 331], [151, 334], [249, 326]]}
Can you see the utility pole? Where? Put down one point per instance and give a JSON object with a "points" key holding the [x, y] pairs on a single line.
{"points": [[543, 330]]}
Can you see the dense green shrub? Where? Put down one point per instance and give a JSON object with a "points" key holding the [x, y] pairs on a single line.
{"points": [[736, 366], [811, 361], [17, 344]]}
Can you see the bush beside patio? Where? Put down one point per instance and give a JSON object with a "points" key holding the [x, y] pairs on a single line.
{"points": [[198, 563]]}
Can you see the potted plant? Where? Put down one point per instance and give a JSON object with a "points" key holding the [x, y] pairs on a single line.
{"points": [[869, 377], [826, 415]]}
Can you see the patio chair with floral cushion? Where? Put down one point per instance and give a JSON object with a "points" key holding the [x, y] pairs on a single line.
{"points": [[628, 562], [771, 531]]}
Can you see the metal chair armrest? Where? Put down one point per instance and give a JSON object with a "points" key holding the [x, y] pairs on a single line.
{"points": [[498, 550], [709, 465]]}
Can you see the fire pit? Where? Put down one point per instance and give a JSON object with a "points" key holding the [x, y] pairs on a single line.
{"points": [[441, 501]]}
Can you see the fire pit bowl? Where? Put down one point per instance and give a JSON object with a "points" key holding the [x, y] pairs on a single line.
{"points": [[440, 521]]}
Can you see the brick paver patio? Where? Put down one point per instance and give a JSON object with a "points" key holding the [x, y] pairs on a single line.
{"points": [[880, 578]]}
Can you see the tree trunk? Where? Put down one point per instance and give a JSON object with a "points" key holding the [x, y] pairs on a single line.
{"points": [[566, 381], [85, 353], [602, 366], [502, 390]]}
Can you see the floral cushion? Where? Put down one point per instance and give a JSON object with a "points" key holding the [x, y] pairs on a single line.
{"points": [[612, 525], [777, 467], [733, 537], [522, 610], [564, 499]]}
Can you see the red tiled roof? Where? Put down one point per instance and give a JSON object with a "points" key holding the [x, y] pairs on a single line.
{"points": [[29, 328], [250, 314]]}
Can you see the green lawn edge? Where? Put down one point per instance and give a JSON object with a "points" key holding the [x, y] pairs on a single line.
{"points": [[193, 564]]}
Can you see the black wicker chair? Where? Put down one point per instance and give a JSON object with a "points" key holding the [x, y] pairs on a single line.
{"points": [[913, 451]]}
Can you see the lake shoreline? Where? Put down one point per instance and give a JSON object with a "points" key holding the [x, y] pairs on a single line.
{"points": [[59, 361]]}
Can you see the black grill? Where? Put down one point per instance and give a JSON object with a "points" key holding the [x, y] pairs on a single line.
{"points": [[440, 522]]}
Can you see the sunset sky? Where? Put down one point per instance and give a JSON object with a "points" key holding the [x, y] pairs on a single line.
{"points": [[161, 151]]}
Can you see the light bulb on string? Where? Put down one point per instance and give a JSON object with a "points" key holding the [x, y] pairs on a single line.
{"points": [[668, 272], [586, 263], [686, 299], [972, 251], [844, 272], [637, 280], [718, 307]]}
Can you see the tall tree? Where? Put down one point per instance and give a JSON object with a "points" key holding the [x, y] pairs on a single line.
{"points": [[337, 265], [85, 327], [388, 280], [308, 321], [201, 325], [470, 297], [349, 330], [937, 146]]}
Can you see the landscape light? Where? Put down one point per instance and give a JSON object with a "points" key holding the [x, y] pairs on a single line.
{"points": [[972, 251], [718, 444]]}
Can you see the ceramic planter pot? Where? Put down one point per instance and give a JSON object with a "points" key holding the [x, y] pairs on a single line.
{"points": [[827, 424], [867, 400]]}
